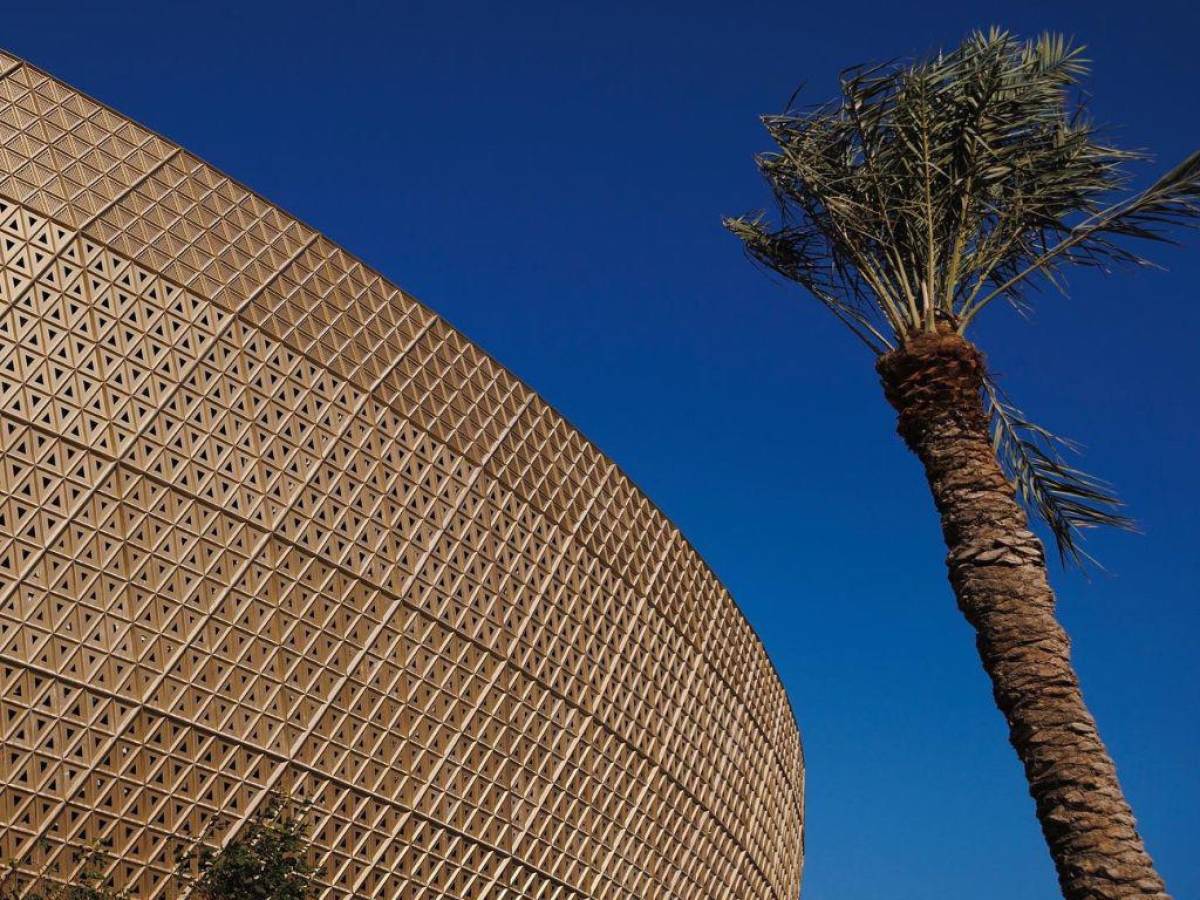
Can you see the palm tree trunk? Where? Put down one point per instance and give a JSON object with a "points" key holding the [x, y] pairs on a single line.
{"points": [[998, 572]]}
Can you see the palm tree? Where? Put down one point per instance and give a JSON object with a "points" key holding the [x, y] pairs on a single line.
{"points": [[908, 206]]}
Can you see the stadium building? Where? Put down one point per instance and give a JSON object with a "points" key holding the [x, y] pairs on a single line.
{"points": [[269, 524]]}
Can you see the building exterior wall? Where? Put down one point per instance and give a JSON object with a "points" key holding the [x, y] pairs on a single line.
{"points": [[267, 523]]}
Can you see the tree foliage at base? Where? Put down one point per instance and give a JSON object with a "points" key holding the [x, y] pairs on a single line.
{"points": [[265, 860], [89, 883]]}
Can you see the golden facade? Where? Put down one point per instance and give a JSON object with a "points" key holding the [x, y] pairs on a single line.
{"points": [[267, 523]]}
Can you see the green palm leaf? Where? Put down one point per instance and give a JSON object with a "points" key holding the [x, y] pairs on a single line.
{"points": [[1067, 499], [925, 191]]}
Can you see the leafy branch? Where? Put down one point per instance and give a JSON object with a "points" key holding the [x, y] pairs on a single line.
{"points": [[267, 859], [88, 882], [1066, 498]]}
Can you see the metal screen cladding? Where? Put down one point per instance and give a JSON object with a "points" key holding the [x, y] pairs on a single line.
{"points": [[268, 524]]}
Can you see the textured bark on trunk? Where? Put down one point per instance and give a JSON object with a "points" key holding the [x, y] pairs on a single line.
{"points": [[998, 571]]}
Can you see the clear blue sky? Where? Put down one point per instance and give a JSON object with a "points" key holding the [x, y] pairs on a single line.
{"points": [[551, 179]]}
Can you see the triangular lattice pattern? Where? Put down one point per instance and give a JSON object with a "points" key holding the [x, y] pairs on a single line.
{"points": [[268, 523]]}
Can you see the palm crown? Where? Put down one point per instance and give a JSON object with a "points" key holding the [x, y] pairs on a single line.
{"points": [[926, 191]]}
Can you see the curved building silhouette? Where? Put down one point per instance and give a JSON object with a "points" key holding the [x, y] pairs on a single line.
{"points": [[268, 524]]}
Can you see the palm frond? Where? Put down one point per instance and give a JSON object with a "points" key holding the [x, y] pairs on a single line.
{"points": [[927, 190], [1068, 500], [1172, 201]]}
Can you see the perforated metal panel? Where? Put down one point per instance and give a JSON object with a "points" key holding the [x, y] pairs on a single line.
{"points": [[268, 523]]}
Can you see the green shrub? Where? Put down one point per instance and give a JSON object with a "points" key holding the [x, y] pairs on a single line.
{"points": [[265, 860]]}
